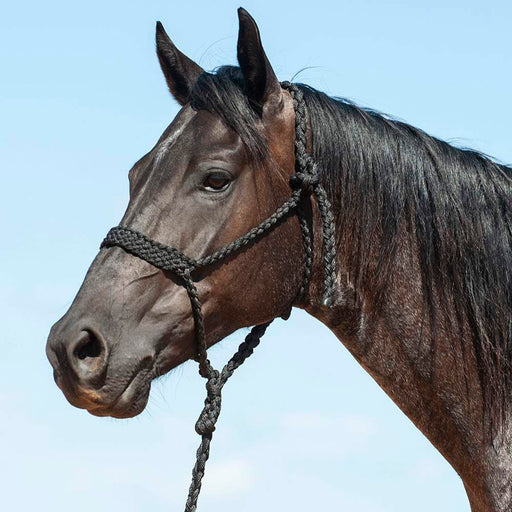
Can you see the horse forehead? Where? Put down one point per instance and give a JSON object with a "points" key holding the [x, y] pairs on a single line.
{"points": [[196, 131], [173, 131]]}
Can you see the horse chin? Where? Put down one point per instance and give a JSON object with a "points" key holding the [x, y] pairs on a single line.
{"points": [[131, 402], [123, 409], [127, 403]]}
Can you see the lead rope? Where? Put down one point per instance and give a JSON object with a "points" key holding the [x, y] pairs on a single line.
{"points": [[215, 380], [304, 183]]}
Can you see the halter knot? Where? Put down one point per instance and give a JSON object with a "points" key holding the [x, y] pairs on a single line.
{"points": [[305, 181], [205, 424]]}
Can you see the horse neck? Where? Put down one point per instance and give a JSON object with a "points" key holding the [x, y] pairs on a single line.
{"points": [[429, 384], [429, 372]]}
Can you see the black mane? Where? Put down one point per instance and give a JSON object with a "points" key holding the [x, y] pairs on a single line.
{"points": [[384, 177]]}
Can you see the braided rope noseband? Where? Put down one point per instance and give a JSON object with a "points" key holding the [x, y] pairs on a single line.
{"points": [[304, 183]]}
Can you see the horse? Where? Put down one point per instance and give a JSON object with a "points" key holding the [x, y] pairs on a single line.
{"points": [[422, 293]]}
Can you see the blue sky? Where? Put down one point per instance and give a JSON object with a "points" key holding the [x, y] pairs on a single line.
{"points": [[303, 426]]}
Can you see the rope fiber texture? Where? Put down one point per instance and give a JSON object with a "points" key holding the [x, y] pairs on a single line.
{"points": [[304, 183]]}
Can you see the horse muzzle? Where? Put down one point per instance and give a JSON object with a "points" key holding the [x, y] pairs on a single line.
{"points": [[86, 372]]}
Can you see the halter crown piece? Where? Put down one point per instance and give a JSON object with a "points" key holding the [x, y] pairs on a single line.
{"points": [[304, 183]]}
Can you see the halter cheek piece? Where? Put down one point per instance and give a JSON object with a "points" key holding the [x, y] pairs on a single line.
{"points": [[304, 183]]}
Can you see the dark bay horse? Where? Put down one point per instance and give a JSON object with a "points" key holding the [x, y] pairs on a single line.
{"points": [[423, 292]]}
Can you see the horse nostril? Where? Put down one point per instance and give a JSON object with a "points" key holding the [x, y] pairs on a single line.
{"points": [[88, 346], [88, 357]]}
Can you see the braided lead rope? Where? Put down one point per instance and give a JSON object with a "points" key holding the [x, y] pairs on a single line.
{"points": [[205, 425], [215, 380], [304, 182]]}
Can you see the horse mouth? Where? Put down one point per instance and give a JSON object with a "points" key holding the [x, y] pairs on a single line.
{"points": [[127, 403], [130, 402]]}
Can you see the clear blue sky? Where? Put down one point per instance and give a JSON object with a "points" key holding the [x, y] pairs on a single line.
{"points": [[82, 98]]}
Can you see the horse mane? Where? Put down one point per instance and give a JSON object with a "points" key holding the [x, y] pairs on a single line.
{"points": [[383, 177]]}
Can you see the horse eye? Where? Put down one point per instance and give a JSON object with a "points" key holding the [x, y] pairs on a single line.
{"points": [[216, 181]]}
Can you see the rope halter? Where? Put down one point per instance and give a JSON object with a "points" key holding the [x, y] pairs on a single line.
{"points": [[304, 184]]}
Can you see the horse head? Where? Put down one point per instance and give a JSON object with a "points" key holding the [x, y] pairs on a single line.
{"points": [[221, 166]]}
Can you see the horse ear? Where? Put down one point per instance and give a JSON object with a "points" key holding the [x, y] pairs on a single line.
{"points": [[180, 72], [261, 84]]}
